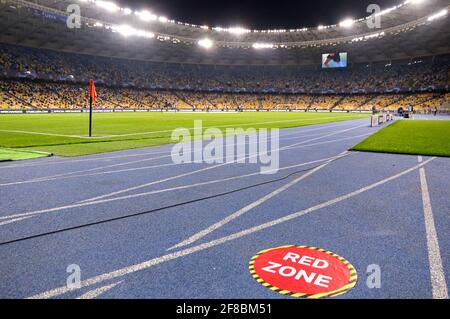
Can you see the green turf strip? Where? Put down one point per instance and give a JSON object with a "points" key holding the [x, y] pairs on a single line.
{"points": [[65, 134], [16, 155], [410, 137]]}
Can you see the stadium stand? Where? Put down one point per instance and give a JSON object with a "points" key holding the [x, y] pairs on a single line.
{"points": [[38, 74]]}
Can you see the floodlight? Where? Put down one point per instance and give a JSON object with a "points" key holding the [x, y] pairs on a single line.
{"points": [[262, 45], [107, 5], [127, 11], [146, 16], [438, 15], [347, 23], [205, 43]]}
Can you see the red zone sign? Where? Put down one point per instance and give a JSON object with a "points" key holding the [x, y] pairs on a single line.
{"points": [[302, 271]]}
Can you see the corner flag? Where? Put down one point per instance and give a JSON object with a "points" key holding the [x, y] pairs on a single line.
{"points": [[92, 99], [92, 91]]}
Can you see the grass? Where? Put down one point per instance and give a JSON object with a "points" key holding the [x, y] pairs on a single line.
{"points": [[74, 128], [16, 155], [410, 137]]}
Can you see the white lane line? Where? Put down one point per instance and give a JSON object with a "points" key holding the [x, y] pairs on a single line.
{"points": [[14, 220], [215, 166], [82, 204], [98, 291], [69, 174], [59, 177], [171, 256], [438, 282], [300, 129], [250, 206]]}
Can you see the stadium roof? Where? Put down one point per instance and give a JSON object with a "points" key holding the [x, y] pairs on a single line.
{"points": [[413, 28]]}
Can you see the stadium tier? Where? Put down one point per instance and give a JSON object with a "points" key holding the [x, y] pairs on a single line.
{"points": [[403, 62], [30, 95]]}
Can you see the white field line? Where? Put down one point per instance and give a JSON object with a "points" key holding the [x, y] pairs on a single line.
{"points": [[69, 174], [185, 252], [228, 125], [250, 206], [214, 166], [98, 291], [438, 282], [17, 217], [153, 132], [101, 158], [48, 134]]}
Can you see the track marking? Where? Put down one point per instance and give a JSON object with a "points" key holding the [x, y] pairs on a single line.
{"points": [[185, 252], [98, 291], [215, 166], [250, 206], [438, 283], [82, 204], [324, 126], [69, 174], [14, 220]]}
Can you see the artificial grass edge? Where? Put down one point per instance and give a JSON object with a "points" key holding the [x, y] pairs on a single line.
{"points": [[11, 154], [427, 138]]}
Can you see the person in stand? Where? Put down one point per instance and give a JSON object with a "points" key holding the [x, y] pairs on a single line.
{"points": [[435, 111]]}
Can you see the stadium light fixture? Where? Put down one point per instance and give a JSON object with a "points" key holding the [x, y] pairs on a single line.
{"points": [[127, 11], [205, 43], [416, 1], [107, 5], [127, 31], [124, 30], [320, 27], [163, 19], [438, 15], [237, 30], [146, 15], [347, 23], [262, 46]]}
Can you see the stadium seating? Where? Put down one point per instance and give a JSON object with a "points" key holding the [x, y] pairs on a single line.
{"points": [[27, 94], [42, 79], [46, 64]]}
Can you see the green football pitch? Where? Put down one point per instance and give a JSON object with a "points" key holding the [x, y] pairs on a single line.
{"points": [[410, 137], [67, 134]]}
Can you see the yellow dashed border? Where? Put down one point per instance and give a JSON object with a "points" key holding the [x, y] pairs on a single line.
{"points": [[351, 283]]}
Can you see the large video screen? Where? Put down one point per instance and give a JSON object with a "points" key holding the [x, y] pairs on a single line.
{"points": [[334, 60]]}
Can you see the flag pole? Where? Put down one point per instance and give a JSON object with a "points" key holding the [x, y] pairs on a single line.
{"points": [[90, 116], [92, 100]]}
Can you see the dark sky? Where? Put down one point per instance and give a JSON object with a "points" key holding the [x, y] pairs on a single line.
{"points": [[261, 14]]}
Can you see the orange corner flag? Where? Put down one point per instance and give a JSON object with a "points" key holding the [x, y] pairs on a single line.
{"points": [[93, 92]]}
